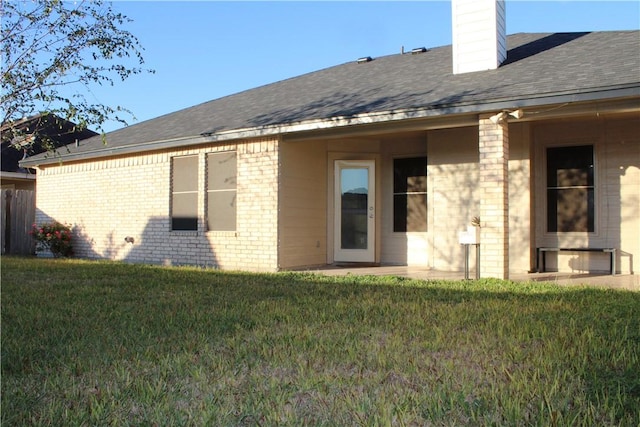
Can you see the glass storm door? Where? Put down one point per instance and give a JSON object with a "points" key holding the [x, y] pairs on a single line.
{"points": [[354, 238]]}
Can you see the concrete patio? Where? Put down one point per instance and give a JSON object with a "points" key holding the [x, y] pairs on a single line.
{"points": [[619, 281]]}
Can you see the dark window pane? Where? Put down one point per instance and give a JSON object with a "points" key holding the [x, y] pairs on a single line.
{"points": [[570, 166], [570, 189], [410, 194], [416, 184], [410, 175], [400, 212], [354, 221], [410, 212], [417, 212], [184, 211], [184, 224], [571, 209]]}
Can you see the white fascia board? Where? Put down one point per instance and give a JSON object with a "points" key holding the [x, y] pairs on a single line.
{"points": [[18, 175], [422, 113], [472, 107]]}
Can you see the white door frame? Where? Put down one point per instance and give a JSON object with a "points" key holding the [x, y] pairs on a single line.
{"points": [[366, 254]]}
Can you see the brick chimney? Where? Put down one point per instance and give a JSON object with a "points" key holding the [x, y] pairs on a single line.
{"points": [[479, 35]]}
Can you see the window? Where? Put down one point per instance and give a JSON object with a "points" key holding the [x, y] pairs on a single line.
{"points": [[184, 193], [570, 189], [410, 194], [221, 191]]}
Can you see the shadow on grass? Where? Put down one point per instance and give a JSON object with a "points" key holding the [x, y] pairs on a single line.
{"points": [[68, 321]]}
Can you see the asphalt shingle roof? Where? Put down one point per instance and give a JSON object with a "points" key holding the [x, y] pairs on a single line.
{"points": [[537, 65]]}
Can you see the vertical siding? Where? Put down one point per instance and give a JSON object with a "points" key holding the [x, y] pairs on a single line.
{"points": [[617, 160], [400, 248], [621, 189], [454, 194], [521, 249], [303, 204]]}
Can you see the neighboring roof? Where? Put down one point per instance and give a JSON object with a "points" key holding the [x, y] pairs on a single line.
{"points": [[540, 69], [25, 137]]}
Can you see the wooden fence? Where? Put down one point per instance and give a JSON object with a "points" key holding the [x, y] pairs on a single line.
{"points": [[18, 212]]}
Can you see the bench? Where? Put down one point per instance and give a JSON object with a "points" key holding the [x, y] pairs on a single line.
{"points": [[541, 259]]}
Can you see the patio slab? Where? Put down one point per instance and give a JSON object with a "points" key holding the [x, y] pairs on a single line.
{"points": [[619, 281]]}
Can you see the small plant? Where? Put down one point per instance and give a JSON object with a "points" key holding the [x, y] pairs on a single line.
{"points": [[53, 236], [475, 221]]}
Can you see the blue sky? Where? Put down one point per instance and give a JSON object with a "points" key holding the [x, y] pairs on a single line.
{"points": [[203, 50]]}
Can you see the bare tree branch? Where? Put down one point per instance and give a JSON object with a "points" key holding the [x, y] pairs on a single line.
{"points": [[49, 46]]}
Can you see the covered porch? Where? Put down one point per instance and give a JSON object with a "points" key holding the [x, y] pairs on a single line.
{"points": [[498, 171]]}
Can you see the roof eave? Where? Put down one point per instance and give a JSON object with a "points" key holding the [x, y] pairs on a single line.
{"points": [[26, 176], [626, 95]]}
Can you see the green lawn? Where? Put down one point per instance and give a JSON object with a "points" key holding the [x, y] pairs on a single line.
{"points": [[99, 343]]}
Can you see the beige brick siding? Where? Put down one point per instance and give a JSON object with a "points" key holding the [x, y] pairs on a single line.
{"points": [[134, 201], [494, 198]]}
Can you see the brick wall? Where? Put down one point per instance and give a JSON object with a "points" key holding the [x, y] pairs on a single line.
{"points": [[494, 198], [110, 199]]}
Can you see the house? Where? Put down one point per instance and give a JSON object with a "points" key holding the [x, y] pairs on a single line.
{"points": [[382, 160], [21, 139], [27, 138]]}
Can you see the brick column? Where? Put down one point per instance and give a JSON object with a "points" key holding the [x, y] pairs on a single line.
{"points": [[494, 198]]}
